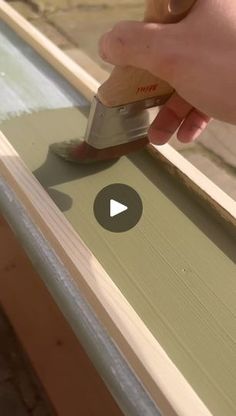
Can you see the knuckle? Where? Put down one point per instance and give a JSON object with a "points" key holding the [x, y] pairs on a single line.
{"points": [[117, 43], [165, 55]]}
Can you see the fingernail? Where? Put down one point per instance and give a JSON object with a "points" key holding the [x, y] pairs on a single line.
{"points": [[196, 135], [191, 134], [159, 136]]}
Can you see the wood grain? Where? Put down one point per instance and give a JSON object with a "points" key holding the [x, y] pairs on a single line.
{"points": [[75, 74], [63, 367], [171, 307], [132, 335], [167, 11], [185, 302], [20, 67]]}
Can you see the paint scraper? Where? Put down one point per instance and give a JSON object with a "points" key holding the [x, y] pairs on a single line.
{"points": [[120, 112]]}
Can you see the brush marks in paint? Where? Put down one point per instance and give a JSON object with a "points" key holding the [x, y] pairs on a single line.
{"points": [[176, 267], [27, 82]]}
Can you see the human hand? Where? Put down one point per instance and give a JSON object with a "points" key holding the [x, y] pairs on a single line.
{"points": [[197, 56]]}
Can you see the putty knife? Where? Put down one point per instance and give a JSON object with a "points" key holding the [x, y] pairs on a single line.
{"points": [[119, 117]]}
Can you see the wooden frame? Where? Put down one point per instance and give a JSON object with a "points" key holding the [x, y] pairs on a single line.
{"points": [[54, 351], [125, 327], [88, 86]]}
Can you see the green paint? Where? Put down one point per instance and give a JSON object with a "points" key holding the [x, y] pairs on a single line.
{"points": [[176, 268], [27, 82]]}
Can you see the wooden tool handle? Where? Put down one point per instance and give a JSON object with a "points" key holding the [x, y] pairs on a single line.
{"points": [[127, 85], [167, 11]]}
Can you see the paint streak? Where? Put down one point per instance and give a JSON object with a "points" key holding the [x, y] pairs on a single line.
{"points": [[176, 268]]}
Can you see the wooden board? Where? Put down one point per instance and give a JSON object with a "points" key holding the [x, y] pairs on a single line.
{"points": [[182, 282], [63, 367]]}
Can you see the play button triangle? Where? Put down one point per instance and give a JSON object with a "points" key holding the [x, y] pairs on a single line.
{"points": [[116, 208]]}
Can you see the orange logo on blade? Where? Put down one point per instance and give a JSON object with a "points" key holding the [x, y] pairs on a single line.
{"points": [[147, 89]]}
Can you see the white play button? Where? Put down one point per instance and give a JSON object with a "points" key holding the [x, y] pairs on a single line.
{"points": [[116, 208]]}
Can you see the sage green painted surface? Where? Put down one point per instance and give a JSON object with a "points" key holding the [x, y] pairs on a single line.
{"points": [[176, 268]]}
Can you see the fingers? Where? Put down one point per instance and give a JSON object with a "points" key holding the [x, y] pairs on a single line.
{"points": [[158, 49], [169, 119], [193, 126], [148, 46], [177, 115]]}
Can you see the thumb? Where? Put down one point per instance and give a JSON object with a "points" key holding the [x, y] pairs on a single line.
{"points": [[148, 46]]}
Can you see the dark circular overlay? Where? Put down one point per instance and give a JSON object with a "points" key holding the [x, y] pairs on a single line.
{"points": [[122, 194]]}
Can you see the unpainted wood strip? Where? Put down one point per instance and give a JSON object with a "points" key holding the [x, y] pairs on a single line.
{"points": [[88, 86], [61, 364], [210, 194], [131, 335], [74, 73], [190, 165], [175, 268], [90, 66]]}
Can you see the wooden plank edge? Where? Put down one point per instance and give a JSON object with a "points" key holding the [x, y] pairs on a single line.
{"points": [[82, 82], [87, 85], [88, 64], [59, 360], [66, 66], [209, 193], [131, 335], [126, 388]]}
